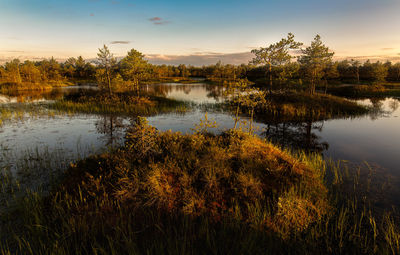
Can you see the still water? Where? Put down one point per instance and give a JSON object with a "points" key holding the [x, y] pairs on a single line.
{"points": [[374, 138]]}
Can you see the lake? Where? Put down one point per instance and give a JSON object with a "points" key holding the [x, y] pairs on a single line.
{"points": [[373, 138]]}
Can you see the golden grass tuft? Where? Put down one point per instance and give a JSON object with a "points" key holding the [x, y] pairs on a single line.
{"points": [[219, 177]]}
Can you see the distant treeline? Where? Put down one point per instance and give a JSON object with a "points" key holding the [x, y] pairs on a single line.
{"points": [[76, 69], [51, 70]]}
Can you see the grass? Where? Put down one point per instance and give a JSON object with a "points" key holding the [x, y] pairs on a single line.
{"points": [[384, 90], [19, 112], [34, 168], [169, 193], [9, 87], [184, 80], [119, 103], [300, 106]]}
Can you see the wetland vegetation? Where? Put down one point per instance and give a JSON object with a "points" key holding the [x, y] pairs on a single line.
{"points": [[260, 184]]}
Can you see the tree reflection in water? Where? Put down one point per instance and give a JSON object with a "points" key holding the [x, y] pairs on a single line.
{"points": [[112, 128], [296, 135]]}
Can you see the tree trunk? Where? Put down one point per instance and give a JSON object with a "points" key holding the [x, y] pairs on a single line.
{"points": [[236, 117], [358, 76], [311, 86], [314, 75], [137, 88], [251, 121], [109, 82], [398, 75], [270, 78]]}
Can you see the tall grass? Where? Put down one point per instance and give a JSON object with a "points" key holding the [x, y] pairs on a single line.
{"points": [[119, 103], [297, 106], [168, 193], [10, 87], [22, 111], [358, 91]]}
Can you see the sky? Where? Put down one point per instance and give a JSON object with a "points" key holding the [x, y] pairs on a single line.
{"points": [[195, 32]]}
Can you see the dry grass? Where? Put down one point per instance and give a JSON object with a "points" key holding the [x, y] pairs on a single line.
{"points": [[298, 106], [119, 103], [203, 175]]}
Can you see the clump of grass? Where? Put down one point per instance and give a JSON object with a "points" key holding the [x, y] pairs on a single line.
{"points": [[358, 91], [298, 106], [10, 87], [201, 174], [118, 103]]}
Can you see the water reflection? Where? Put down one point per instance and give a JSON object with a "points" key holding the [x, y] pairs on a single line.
{"points": [[297, 135], [195, 92], [42, 96], [311, 135], [112, 129]]}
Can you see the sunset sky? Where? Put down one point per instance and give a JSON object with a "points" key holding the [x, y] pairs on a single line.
{"points": [[195, 32]]}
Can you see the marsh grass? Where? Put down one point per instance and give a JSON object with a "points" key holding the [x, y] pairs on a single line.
{"points": [[385, 90], [22, 111], [9, 87], [184, 80], [168, 193], [298, 106], [119, 103], [35, 169]]}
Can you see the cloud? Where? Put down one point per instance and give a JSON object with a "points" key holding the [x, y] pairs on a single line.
{"points": [[387, 49], [208, 58], [201, 58], [158, 21], [114, 2], [120, 42], [201, 53], [154, 19], [15, 51], [92, 15], [373, 58]]}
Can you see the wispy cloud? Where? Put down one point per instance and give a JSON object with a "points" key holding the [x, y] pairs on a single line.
{"points": [[120, 42], [201, 58], [382, 58], [387, 49], [202, 53], [14, 51], [158, 21], [208, 58], [155, 19]]}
